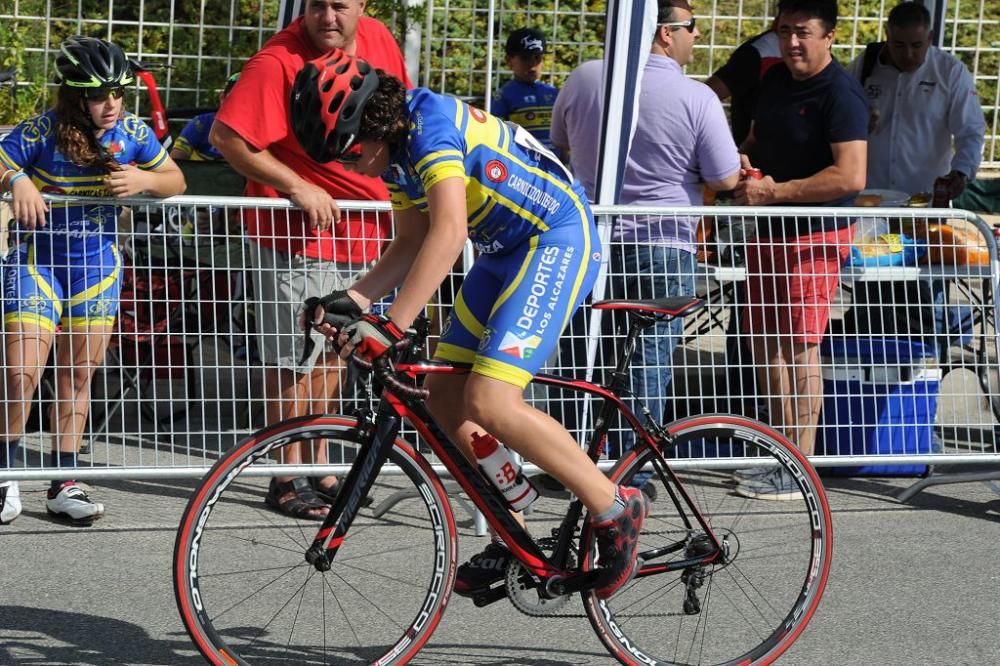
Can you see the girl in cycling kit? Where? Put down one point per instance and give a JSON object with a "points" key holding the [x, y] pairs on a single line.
{"points": [[64, 275], [455, 172]]}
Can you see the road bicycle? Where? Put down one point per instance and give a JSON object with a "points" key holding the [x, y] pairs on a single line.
{"points": [[723, 580]]}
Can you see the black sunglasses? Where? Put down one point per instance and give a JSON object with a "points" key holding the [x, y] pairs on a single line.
{"points": [[674, 25], [100, 94], [352, 155]]}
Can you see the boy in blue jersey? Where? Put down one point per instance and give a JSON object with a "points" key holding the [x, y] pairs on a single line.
{"points": [[193, 143], [524, 99], [455, 173], [66, 270]]}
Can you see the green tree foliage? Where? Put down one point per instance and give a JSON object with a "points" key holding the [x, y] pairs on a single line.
{"points": [[28, 97], [209, 40]]}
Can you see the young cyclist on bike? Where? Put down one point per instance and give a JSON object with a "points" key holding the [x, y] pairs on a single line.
{"points": [[455, 172], [66, 269]]}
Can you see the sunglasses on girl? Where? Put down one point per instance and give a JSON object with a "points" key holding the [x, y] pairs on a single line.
{"points": [[674, 25], [101, 94]]}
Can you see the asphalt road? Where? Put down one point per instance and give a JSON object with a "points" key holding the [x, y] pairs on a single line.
{"points": [[915, 583]]}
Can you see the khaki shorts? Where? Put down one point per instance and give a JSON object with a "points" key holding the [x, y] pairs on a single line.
{"points": [[281, 283]]}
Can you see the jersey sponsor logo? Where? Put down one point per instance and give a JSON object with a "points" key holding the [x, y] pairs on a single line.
{"points": [[532, 193], [485, 340], [496, 171], [519, 344], [116, 148], [530, 99], [36, 129], [488, 247], [101, 307], [34, 303], [135, 127], [477, 114], [546, 287]]}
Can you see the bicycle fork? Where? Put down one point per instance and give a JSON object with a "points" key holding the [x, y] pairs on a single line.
{"points": [[371, 456]]}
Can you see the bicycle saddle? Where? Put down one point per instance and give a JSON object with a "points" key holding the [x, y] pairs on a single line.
{"points": [[7, 75], [674, 306]]}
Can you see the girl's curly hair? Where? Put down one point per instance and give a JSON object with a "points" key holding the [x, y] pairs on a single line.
{"points": [[385, 117], [75, 133]]}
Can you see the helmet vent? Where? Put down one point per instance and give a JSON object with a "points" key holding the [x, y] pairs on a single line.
{"points": [[335, 103]]}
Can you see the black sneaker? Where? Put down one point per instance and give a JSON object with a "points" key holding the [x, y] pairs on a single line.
{"points": [[616, 542], [484, 569]]}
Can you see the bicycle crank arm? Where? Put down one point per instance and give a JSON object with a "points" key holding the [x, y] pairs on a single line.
{"points": [[490, 596], [558, 586]]}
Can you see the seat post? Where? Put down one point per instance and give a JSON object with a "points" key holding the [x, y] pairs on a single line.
{"points": [[636, 323]]}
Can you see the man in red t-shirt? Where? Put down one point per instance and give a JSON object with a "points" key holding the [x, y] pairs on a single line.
{"points": [[312, 252]]}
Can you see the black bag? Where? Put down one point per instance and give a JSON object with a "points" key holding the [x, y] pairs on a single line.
{"points": [[892, 309]]}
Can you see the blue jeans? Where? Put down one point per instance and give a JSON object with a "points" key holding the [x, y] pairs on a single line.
{"points": [[643, 272]]}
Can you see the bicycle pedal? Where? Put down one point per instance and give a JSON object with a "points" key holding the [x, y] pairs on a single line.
{"points": [[486, 597]]}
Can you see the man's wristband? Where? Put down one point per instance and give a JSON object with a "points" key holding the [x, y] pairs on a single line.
{"points": [[6, 173]]}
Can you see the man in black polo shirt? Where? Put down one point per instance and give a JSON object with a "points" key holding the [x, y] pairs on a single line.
{"points": [[809, 138]]}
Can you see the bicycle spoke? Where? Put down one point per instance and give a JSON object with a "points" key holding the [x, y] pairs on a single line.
{"points": [[242, 565], [753, 599]]}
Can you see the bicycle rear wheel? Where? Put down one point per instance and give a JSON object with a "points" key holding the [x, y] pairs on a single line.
{"points": [[749, 605], [247, 595]]}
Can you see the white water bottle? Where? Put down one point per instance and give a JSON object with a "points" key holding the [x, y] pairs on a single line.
{"points": [[499, 466]]}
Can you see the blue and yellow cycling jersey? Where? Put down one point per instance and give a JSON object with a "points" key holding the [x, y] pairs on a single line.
{"points": [[514, 187], [194, 139], [529, 220], [76, 230], [529, 105]]}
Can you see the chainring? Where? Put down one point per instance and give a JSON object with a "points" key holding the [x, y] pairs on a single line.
{"points": [[522, 589]]}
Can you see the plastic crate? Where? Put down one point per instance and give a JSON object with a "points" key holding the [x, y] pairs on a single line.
{"points": [[880, 398]]}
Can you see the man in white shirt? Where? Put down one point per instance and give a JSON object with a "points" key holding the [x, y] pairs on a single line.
{"points": [[927, 127]]}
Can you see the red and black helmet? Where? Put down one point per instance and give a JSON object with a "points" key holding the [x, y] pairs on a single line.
{"points": [[328, 98]]}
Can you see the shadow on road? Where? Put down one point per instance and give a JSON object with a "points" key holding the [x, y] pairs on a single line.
{"points": [[39, 636], [930, 499]]}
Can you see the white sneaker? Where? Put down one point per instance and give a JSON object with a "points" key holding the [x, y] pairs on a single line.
{"points": [[72, 504], [10, 501]]}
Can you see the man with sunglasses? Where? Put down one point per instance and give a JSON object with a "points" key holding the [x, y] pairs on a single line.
{"points": [[524, 99], [682, 144]]}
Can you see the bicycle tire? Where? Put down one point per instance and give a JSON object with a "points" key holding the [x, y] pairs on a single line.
{"points": [[246, 594], [747, 610]]}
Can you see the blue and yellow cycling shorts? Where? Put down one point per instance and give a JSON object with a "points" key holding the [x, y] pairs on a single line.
{"points": [[513, 307], [81, 293]]}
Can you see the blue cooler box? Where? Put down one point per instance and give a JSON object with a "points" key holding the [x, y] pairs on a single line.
{"points": [[880, 397]]}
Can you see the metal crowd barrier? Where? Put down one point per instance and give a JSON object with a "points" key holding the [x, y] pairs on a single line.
{"points": [[907, 374]]}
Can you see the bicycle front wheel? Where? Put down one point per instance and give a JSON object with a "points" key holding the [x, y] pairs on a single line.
{"points": [[758, 594], [247, 595]]}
